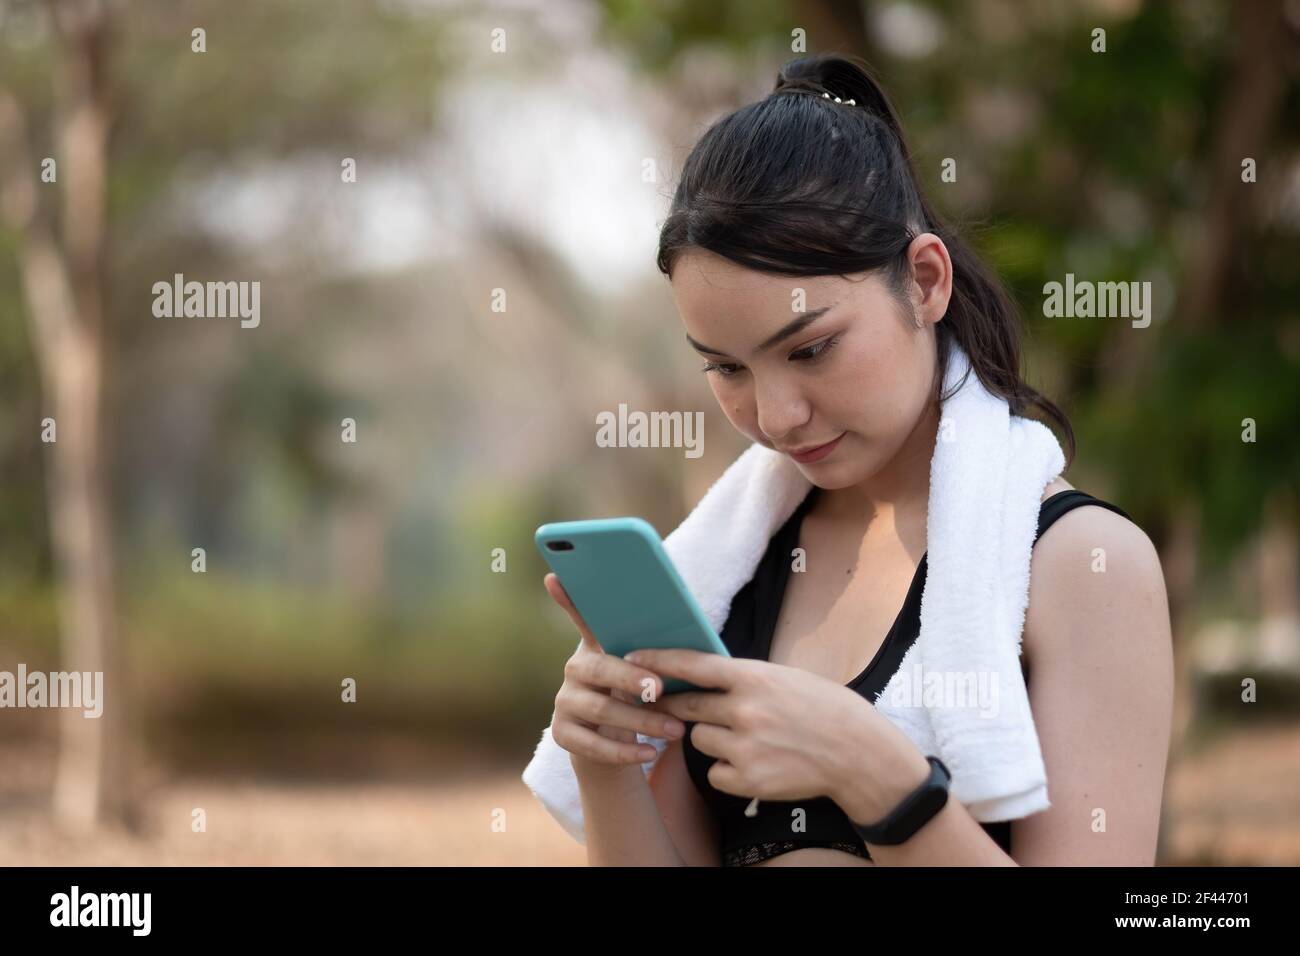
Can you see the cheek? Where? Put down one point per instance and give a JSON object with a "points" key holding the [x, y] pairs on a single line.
{"points": [[878, 386], [728, 399], [737, 404]]}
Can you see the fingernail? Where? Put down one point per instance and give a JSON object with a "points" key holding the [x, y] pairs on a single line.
{"points": [[675, 728], [632, 657]]}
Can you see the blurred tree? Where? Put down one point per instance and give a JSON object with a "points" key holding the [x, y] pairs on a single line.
{"points": [[62, 276], [121, 98]]}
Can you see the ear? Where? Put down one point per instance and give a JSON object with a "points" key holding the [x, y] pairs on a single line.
{"points": [[931, 277]]}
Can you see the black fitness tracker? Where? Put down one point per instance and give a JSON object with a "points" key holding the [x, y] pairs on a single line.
{"points": [[913, 812]]}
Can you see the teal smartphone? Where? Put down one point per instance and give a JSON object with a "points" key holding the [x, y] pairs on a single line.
{"points": [[626, 588]]}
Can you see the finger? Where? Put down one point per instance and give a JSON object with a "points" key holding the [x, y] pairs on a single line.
{"points": [[715, 741], [724, 776], [609, 671], [561, 597], [597, 708], [645, 699], [701, 668], [593, 746], [708, 706]]}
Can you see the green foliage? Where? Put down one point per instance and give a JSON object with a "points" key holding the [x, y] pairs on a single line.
{"points": [[1109, 153]]}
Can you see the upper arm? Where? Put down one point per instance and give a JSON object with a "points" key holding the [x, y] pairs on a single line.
{"points": [[690, 823], [1097, 634]]}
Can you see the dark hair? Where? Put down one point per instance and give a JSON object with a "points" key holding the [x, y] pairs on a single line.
{"points": [[800, 185]]}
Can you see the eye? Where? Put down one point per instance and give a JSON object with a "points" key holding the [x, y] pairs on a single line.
{"points": [[810, 354], [814, 352]]}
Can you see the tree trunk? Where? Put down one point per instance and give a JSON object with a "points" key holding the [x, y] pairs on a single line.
{"points": [[62, 279], [89, 782]]}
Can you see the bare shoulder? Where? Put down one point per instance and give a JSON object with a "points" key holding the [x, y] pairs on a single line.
{"points": [[1092, 565], [1099, 652]]}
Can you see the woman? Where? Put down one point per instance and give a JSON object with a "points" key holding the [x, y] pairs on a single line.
{"points": [[825, 295]]}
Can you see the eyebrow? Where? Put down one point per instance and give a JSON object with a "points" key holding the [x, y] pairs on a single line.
{"points": [[789, 329]]}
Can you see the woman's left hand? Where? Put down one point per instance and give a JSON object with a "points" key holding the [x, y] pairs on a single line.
{"points": [[779, 732]]}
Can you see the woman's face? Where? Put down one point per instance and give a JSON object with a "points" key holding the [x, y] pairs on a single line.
{"points": [[799, 362]]}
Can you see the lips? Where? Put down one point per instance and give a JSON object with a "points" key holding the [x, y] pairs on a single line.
{"points": [[815, 453]]}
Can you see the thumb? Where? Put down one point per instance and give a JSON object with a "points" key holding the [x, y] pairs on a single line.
{"points": [[561, 597]]}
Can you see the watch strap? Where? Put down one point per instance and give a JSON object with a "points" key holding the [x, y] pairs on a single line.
{"points": [[913, 812]]}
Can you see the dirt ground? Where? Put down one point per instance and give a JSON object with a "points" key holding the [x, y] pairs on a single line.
{"points": [[1237, 802], [486, 817]]}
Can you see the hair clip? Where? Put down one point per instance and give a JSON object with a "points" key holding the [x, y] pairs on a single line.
{"points": [[827, 96]]}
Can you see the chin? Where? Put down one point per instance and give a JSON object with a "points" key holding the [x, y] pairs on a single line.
{"points": [[829, 480], [841, 474]]}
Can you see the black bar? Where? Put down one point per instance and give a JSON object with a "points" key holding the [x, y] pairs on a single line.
{"points": [[330, 905]]}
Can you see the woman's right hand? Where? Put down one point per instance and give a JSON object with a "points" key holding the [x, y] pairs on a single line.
{"points": [[597, 712]]}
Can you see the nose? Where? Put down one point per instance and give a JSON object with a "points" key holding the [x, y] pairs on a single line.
{"points": [[780, 410]]}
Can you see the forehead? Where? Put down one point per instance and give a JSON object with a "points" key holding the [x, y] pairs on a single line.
{"points": [[708, 288], [731, 309]]}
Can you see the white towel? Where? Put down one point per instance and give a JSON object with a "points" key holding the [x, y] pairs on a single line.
{"points": [[987, 478]]}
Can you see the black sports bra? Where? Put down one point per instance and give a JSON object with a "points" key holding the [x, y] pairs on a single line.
{"points": [[748, 633]]}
